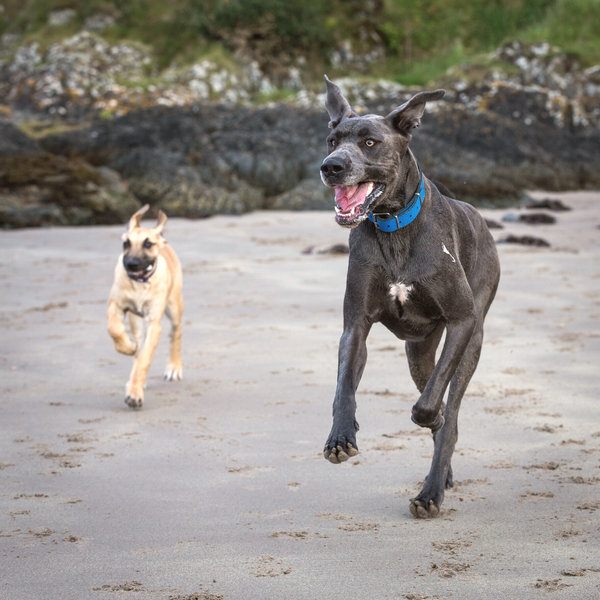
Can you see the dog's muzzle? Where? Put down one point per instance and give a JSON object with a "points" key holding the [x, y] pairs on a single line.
{"points": [[333, 167], [139, 270]]}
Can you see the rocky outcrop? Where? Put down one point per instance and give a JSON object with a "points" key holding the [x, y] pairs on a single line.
{"points": [[200, 160], [529, 119], [39, 188], [85, 73]]}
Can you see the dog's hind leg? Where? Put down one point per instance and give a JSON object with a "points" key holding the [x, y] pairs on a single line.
{"points": [[428, 502], [174, 369], [421, 362]]}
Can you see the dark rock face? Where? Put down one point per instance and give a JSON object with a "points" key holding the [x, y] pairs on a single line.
{"points": [[197, 161], [487, 158], [38, 188]]}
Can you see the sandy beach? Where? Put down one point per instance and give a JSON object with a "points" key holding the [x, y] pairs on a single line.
{"points": [[217, 488]]}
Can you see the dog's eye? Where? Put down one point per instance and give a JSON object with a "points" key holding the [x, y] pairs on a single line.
{"points": [[332, 142], [369, 143], [126, 244], [148, 244]]}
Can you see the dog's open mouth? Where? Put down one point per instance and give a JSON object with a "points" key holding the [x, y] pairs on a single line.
{"points": [[352, 202], [140, 275]]}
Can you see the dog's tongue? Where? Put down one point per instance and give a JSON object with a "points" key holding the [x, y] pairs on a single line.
{"points": [[349, 197]]}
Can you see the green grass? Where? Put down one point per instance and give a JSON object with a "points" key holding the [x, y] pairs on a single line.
{"points": [[421, 38], [278, 95], [573, 26], [422, 72]]}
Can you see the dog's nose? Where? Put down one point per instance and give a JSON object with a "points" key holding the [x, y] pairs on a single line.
{"points": [[132, 264], [334, 165]]}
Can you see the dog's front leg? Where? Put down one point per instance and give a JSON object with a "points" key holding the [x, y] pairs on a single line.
{"points": [[426, 412], [341, 443], [116, 329], [137, 379]]}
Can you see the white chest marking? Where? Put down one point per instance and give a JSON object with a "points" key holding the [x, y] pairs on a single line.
{"points": [[400, 291], [448, 253]]}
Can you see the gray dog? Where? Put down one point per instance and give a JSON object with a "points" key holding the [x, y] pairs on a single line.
{"points": [[420, 262]]}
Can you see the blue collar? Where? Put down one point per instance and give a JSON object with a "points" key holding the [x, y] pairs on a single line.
{"points": [[404, 217]]}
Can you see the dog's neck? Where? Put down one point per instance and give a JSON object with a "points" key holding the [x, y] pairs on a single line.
{"points": [[407, 184], [394, 220], [413, 178]]}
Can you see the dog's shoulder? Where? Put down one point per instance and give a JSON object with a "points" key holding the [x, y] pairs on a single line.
{"points": [[462, 211]]}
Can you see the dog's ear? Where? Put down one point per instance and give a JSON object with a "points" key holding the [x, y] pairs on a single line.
{"points": [[408, 116], [337, 106], [137, 217], [160, 222]]}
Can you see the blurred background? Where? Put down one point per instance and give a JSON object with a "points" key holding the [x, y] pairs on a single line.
{"points": [[216, 106]]}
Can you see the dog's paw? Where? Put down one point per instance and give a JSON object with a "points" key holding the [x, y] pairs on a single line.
{"points": [[340, 454], [134, 402], [173, 373], [434, 424], [126, 346], [341, 444], [134, 395], [422, 509]]}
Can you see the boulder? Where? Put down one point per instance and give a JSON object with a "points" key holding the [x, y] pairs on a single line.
{"points": [[38, 188]]}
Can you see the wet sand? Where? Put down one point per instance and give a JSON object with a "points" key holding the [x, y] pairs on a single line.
{"points": [[217, 488]]}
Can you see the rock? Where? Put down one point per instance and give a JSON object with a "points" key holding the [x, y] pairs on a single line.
{"points": [[59, 18], [38, 188], [548, 203], [309, 194], [537, 219], [493, 224], [14, 141], [99, 22], [536, 126], [336, 249], [526, 240], [531, 218], [72, 76], [202, 201]]}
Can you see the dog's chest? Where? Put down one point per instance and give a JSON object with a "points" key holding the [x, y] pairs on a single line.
{"points": [[400, 291], [138, 301], [408, 310]]}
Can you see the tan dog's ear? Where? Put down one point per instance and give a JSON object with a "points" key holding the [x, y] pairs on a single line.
{"points": [[160, 223], [137, 217]]}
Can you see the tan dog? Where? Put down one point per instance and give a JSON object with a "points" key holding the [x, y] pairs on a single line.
{"points": [[147, 284]]}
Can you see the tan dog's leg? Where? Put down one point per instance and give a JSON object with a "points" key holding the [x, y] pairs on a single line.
{"points": [[174, 310], [137, 330], [141, 364], [116, 328]]}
